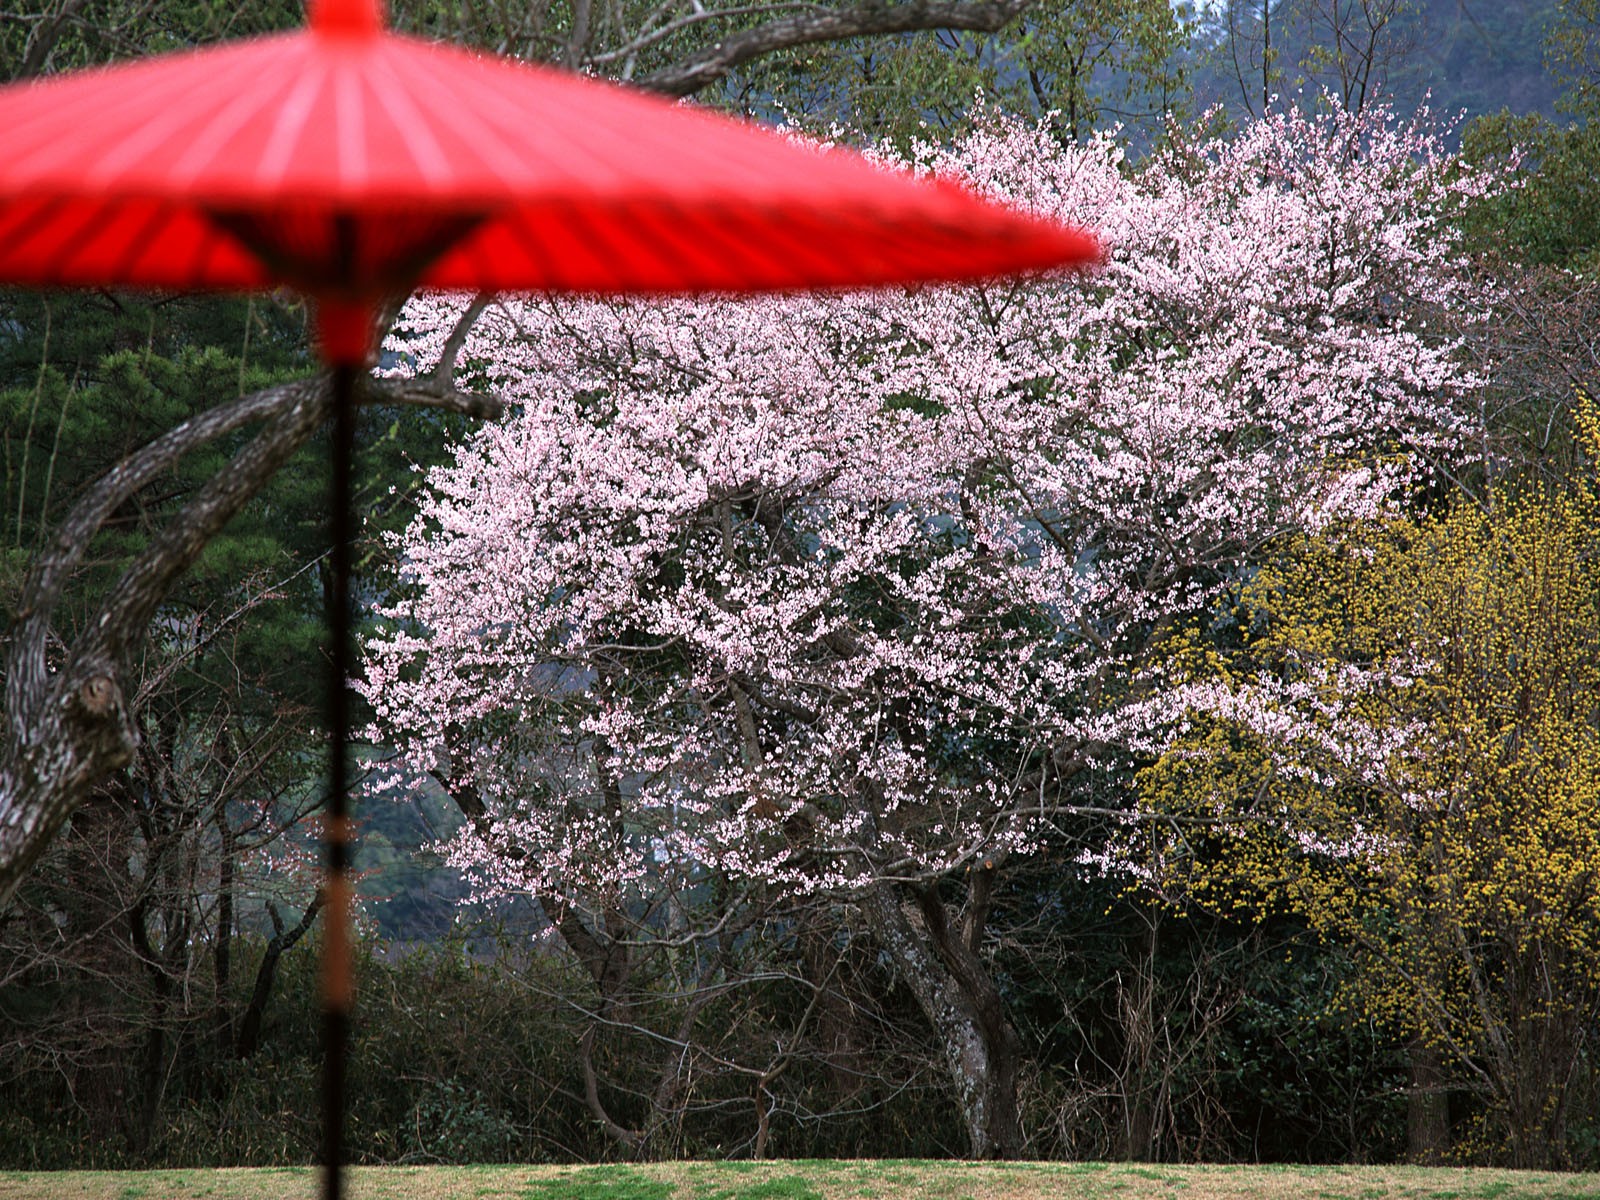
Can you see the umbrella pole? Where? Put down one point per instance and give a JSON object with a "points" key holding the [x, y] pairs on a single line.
{"points": [[337, 989]]}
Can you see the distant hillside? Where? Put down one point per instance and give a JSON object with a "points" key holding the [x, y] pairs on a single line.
{"points": [[1474, 55]]}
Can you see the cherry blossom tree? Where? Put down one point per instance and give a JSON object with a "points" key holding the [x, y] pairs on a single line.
{"points": [[841, 596], [68, 695]]}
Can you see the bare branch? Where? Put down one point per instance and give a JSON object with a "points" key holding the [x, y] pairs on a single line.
{"points": [[714, 63], [650, 35], [443, 373]]}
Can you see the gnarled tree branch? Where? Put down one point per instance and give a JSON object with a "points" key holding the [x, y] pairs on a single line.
{"points": [[712, 64], [70, 721]]}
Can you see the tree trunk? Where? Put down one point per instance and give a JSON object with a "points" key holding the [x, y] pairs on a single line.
{"points": [[98, 848], [152, 1071], [953, 988], [249, 1036], [839, 1035], [1142, 1084], [223, 949], [1427, 1105]]}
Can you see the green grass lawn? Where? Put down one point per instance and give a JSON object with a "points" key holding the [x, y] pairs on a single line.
{"points": [[864, 1180]]}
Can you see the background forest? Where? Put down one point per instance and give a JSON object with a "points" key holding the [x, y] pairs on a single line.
{"points": [[1153, 715]]}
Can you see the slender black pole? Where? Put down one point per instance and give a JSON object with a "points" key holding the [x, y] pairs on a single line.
{"points": [[337, 989]]}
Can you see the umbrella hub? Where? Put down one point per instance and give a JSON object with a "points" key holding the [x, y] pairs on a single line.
{"points": [[347, 263], [361, 18]]}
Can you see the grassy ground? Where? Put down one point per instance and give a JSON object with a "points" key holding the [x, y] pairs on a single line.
{"points": [[816, 1181]]}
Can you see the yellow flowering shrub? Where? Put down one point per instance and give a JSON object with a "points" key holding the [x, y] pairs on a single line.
{"points": [[1405, 749]]}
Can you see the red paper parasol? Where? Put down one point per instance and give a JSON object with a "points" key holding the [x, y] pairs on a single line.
{"points": [[352, 164], [356, 165]]}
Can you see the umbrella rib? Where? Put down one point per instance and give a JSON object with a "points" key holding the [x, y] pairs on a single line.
{"points": [[226, 123], [216, 241], [667, 249], [423, 148], [450, 86], [736, 243], [293, 115], [526, 233], [29, 223], [350, 128], [409, 257], [138, 241], [261, 240]]}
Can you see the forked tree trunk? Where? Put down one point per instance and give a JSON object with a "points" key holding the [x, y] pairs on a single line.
{"points": [[953, 988]]}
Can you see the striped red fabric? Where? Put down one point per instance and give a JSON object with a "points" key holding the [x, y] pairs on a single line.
{"points": [[228, 168]]}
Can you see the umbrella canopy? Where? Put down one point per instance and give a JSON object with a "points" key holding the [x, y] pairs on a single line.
{"points": [[352, 163]]}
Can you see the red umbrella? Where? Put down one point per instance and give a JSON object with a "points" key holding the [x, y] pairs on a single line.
{"points": [[353, 164], [356, 165]]}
